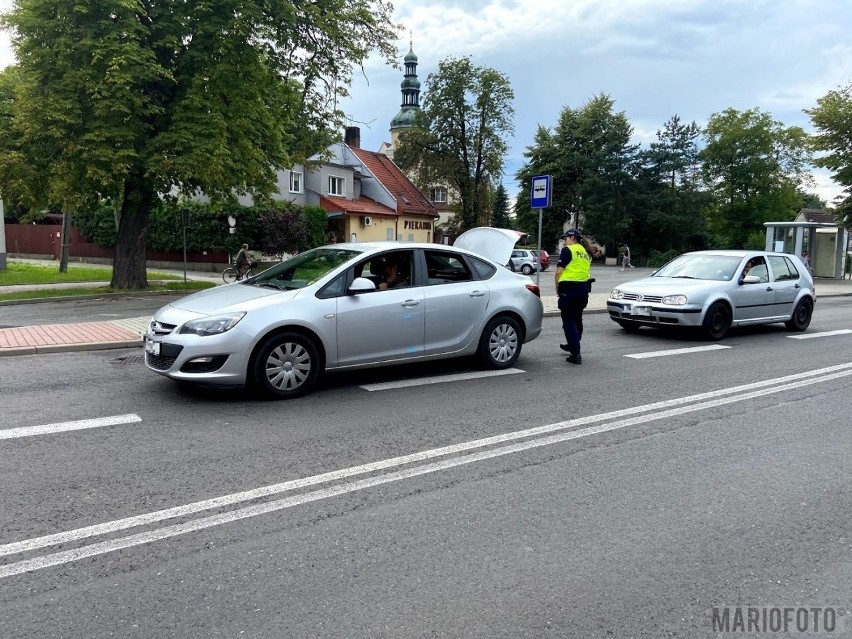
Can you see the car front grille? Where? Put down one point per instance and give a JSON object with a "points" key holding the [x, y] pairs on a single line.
{"points": [[653, 299], [158, 362], [161, 328], [163, 362]]}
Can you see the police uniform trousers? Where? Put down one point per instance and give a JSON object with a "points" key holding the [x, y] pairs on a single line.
{"points": [[573, 297]]}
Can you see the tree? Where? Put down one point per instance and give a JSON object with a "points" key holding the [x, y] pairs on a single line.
{"points": [[754, 166], [832, 118], [672, 198], [131, 101], [459, 135], [500, 218], [593, 166]]}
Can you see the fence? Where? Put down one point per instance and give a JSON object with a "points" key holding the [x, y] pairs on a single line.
{"points": [[46, 239]]}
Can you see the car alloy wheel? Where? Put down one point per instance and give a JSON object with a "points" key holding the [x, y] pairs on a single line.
{"points": [[802, 314], [500, 344], [286, 365], [717, 321], [526, 269]]}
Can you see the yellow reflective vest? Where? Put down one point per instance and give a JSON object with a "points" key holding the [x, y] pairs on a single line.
{"points": [[579, 269]]}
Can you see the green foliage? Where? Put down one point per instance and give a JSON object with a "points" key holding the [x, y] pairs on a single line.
{"points": [[282, 230], [279, 227], [832, 118], [593, 166], [754, 166], [658, 258], [125, 100], [459, 135], [500, 217]]}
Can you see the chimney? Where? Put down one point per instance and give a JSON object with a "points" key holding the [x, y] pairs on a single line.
{"points": [[353, 137]]}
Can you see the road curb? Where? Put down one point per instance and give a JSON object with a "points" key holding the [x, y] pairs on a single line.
{"points": [[70, 348]]}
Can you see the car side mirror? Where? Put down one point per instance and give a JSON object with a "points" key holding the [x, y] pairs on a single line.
{"points": [[750, 279], [361, 285]]}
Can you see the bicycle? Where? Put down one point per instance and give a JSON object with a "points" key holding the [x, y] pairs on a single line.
{"points": [[230, 274]]}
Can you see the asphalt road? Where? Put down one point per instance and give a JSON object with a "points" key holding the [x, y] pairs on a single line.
{"points": [[652, 490]]}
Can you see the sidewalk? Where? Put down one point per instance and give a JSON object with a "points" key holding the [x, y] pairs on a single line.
{"points": [[127, 333]]}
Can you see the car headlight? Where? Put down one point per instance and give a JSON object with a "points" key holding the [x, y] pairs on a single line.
{"points": [[616, 294], [212, 325], [674, 300]]}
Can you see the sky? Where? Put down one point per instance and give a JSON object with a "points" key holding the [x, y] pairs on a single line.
{"points": [[655, 58]]}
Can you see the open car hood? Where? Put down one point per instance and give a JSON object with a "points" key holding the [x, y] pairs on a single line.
{"points": [[495, 244]]}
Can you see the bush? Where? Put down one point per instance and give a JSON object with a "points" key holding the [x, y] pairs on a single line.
{"points": [[659, 258]]}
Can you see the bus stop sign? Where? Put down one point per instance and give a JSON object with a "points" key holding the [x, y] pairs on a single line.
{"points": [[541, 191]]}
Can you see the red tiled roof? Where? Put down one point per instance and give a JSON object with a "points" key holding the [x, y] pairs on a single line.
{"points": [[817, 215], [361, 206], [409, 201]]}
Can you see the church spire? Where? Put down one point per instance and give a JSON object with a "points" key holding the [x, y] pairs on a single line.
{"points": [[410, 89]]}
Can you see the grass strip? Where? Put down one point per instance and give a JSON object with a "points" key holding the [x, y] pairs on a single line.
{"points": [[179, 287]]}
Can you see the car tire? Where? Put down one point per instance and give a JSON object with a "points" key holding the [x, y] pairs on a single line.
{"points": [[630, 327], [526, 269], [286, 365], [802, 315], [717, 321], [500, 344]]}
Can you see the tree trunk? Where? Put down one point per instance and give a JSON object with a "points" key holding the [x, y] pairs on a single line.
{"points": [[128, 269]]}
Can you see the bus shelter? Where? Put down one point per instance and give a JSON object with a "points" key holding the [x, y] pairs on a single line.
{"points": [[827, 244]]}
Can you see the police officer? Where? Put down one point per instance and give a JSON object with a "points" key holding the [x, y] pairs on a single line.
{"points": [[573, 273]]}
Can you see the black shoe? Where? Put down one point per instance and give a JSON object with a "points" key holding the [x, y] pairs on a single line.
{"points": [[565, 348], [574, 358]]}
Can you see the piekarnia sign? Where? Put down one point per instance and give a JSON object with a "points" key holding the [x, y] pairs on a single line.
{"points": [[417, 225]]}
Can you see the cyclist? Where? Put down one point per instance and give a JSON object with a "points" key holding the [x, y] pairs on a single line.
{"points": [[243, 261]]}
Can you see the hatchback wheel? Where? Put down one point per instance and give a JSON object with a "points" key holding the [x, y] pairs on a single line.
{"points": [[526, 269], [802, 314], [717, 321], [500, 344], [286, 365]]}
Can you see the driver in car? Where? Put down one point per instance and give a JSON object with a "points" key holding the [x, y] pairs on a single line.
{"points": [[392, 278]]}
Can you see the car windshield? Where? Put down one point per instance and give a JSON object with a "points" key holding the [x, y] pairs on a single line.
{"points": [[303, 269], [701, 267]]}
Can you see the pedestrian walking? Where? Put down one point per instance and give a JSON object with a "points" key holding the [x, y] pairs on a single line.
{"points": [[625, 257], [573, 275]]}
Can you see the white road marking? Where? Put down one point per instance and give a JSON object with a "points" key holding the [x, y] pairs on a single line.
{"points": [[439, 379], [61, 427], [677, 351], [714, 399], [844, 331]]}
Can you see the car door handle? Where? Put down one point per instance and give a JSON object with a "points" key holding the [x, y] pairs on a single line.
{"points": [[477, 293], [410, 303], [768, 288], [796, 286]]}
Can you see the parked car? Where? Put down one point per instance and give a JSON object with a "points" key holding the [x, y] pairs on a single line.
{"points": [[543, 259], [323, 310], [524, 261], [715, 290]]}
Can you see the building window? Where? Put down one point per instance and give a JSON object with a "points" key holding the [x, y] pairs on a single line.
{"points": [[336, 185], [438, 194], [295, 182]]}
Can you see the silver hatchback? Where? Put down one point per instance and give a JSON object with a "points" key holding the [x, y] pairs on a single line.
{"points": [[715, 290], [346, 306]]}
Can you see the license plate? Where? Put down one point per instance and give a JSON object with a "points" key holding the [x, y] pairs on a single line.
{"points": [[642, 310], [152, 347]]}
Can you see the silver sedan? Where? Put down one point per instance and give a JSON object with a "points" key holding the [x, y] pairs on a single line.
{"points": [[715, 290], [346, 306]]}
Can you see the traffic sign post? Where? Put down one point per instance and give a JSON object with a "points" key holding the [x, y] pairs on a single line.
{"points": [[541, 191]]}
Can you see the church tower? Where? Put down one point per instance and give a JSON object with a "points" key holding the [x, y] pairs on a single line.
{"points": [[410, 99]]}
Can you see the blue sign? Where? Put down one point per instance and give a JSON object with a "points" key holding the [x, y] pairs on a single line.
{"points": [[541, 191]]}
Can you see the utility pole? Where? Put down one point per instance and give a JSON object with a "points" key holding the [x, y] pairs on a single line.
{"points": [[66, 241], [2, 237]]}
